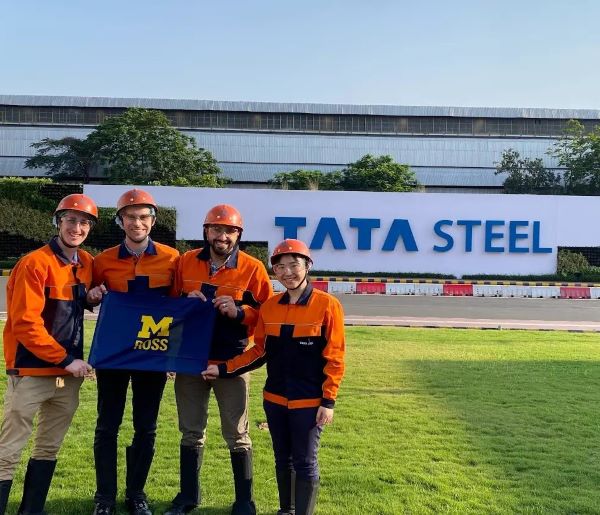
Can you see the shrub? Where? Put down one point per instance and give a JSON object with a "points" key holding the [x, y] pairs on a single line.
{"points": [[259, 251], [570, 263], [18, 218], [183, 246]]}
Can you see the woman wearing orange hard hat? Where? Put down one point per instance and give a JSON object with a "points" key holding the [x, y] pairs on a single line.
{"points": [[300, 335]]}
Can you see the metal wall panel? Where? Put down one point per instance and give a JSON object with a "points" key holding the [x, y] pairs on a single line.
{"points": [[455, 152], [317, 150], [251, 157], [15, 167], [444, 177], [16, 141]]}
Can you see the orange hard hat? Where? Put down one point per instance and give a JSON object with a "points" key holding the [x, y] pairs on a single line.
{"points": [[224, 214], [78, 202], [135, 197], [291, 246]]}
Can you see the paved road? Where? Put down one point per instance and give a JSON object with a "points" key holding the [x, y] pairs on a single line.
{"points": [[485, 312], [477, 312]]}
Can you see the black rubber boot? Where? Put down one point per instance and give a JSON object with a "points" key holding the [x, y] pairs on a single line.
{"points": [[138, 467], [189, 496], [105, 463], [241, 463], [4, 492], [285, 486], [306, 496], [37, 483]]}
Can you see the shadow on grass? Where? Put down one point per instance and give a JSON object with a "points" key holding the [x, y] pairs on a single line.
{"points": [[534, 421], [69, 506]]}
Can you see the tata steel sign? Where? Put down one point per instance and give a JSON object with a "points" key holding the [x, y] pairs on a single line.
{"points": [[498, 235], [455, 234]]}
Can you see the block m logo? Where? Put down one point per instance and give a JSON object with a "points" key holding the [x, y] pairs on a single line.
{"points": [[151, 328]]}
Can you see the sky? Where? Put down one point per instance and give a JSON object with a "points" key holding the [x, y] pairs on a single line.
{"points": [[483, 53]]}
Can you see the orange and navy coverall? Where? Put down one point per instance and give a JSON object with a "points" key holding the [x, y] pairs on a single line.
{"points": [[46, 298], [303, 345], [246, 280], [152, 273], [45, 303]]}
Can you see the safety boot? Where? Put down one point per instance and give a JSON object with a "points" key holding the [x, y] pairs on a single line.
{"points": [[37, 483], [189, 496], [285, 487], [306, 496], [5, 486], [241, 464]]}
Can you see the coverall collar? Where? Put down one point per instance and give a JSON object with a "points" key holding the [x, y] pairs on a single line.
{"points": [[55, 247], [232, 260], [150, 249], [303, 300]]}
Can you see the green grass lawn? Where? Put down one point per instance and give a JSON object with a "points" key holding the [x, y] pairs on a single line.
{"points": [[427, 421]]}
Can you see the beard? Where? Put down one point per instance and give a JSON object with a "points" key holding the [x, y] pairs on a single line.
{"points": [[222, 251]]}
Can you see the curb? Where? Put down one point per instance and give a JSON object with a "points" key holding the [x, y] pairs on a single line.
{"points": [[465, 323], [392, 280], [453, 288]]}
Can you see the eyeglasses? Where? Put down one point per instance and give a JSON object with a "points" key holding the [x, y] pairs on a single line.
{"points": [[83, 222], [279, 268], [142, 218], [223, 229]]}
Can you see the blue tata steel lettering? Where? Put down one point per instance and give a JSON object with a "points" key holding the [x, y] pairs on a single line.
{"points": [[512, 236]]}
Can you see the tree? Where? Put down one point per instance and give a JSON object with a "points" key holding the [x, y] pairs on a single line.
{"points": [[527, 175], [579, 152], [65, 157], [381, 173], [306, 180], [138, 147], [369, 173]]}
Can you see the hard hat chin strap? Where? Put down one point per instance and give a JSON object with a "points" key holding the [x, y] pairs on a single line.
{"points": [[68, 245], [304, 280]]}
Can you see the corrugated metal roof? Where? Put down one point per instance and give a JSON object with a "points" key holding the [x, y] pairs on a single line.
{"points": [[285, 107]]}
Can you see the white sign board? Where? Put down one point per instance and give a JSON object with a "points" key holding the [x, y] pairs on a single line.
{"points": [[396, 232]]}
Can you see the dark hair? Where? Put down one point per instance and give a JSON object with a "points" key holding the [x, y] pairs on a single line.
{"points": [[277, 259]]}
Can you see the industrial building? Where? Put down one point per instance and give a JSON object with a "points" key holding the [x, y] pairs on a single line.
{"points": [[450, 149]]}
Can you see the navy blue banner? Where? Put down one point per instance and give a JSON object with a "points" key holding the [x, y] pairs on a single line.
{"points": [[162, 334]]}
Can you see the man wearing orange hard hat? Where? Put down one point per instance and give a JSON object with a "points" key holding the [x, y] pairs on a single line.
{"points": [[237, 284], [138, 265], [47, 293]]}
